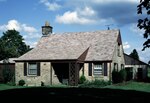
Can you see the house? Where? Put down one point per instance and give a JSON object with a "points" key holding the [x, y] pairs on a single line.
{"points": [[63, 58], [136, 69], [7, 64]]}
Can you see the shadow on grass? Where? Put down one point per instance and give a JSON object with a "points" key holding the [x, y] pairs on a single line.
{"points": [[74, 95]]}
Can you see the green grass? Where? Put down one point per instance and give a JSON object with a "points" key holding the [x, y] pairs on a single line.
{"points": [[127, 92], [6, 86], [131, 85], [138, 86]]}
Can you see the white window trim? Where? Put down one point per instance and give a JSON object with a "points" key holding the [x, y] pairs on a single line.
{"points": [[99, 69]]}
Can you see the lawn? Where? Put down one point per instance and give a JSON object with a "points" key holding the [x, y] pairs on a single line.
{"points": [[138, 86], [6, 86], [124, 92]]}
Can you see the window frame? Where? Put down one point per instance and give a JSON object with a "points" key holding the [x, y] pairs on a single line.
{"points": [[116, 66], [98, 69], [122, 66], [29, 69]]}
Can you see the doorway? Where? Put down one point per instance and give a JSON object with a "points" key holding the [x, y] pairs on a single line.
{"points": [[61, 70]]}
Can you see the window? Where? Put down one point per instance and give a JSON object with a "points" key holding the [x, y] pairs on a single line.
{"points": [[97, 69], [32, 68], [116, 66], [122, 66]]}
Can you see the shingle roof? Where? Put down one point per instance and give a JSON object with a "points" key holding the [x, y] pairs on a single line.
{"points": [[72, 44], [131, 61]]}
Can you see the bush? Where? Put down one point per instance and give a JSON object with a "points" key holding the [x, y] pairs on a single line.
{"points": [[123, 75], [100, 82], [95, 83], [11, 83], [115, 76], [82, 79], [21, 82], [118, 77], [42, 83]]}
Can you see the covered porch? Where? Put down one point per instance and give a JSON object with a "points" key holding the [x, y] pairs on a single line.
{"points": [[67, 72]]}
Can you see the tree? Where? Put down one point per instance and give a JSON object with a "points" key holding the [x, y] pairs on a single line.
{"points": [[134, 54], [149, 62], [12, 45], [144, 24]]}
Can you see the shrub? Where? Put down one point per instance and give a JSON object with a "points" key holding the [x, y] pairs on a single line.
{"points": [[42, 83], [82, 79], [11, 83], [21, 82], [115, 76], [100, 82], [123, 75], [95, 83], [118, 77]]}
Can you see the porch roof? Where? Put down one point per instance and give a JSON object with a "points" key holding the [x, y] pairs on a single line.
{"points": [[100, 46], [9, 60]]}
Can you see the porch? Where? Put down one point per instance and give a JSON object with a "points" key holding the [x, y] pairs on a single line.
{"points": [[67, 72]]}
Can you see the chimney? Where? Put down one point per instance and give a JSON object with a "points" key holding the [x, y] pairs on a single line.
{"points": [[47, 29]]}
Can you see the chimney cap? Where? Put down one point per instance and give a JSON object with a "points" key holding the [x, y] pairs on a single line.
{"points": [[47, 23]]}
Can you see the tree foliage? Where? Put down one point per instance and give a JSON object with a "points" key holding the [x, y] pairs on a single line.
{"points": [[144, 9], [7, 73], [12, 45], [134, 54]]}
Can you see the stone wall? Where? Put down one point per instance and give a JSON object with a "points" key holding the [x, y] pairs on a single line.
{"points": [[101, 77], [118, 59], [33, 80]]}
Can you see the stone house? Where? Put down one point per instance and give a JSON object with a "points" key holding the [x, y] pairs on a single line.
{"points": [[136, 69], [63, 58]]}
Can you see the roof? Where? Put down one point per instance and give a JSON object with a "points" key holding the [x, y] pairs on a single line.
{"points": [[71, 45], [10, 60], [132, 61]]}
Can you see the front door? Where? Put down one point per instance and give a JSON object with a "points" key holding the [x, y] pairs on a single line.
{"points": [[140, 74]]}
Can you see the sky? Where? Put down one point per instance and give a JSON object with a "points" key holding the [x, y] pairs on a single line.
{"points": [[27, 17]]}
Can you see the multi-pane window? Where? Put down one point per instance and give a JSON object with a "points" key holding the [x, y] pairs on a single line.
{"points": [[97, 69], [32, 68]]}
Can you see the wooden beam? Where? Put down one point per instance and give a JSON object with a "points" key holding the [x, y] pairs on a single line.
{"points": [[73, 73]]}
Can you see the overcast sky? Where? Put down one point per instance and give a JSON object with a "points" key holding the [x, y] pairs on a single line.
{"points": [[27, 17]]}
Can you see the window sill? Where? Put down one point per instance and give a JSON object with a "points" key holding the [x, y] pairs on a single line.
{"points": [[31, 75], [98, 76]]}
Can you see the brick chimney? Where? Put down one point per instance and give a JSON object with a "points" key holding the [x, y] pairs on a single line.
{"points": [[47, 29]]}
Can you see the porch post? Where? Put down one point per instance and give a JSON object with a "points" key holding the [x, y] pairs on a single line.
{"points": [[110, 72], [73, 73]]}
